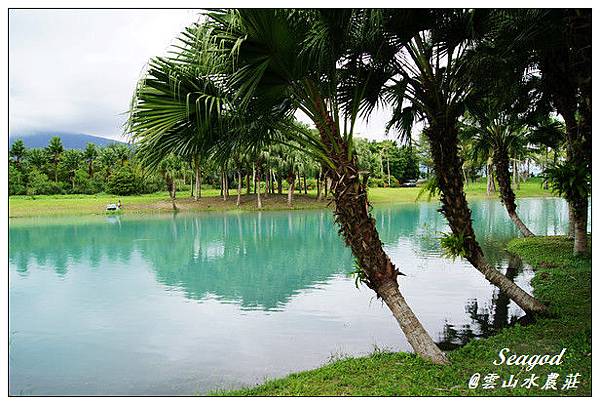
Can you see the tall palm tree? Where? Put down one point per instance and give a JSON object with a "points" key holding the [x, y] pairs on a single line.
{"points": [[495, 135], [17, 152], [70, 163], [270, 64], [558, 44], [170, 169], [89, 156], [55, 150], [430, 81]]}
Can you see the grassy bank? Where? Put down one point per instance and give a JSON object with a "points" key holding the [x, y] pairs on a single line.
{"points": [[25, 206], [560, 280]]}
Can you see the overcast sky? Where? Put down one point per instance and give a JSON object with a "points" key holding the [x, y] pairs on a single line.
{"points": [[75, 70]]}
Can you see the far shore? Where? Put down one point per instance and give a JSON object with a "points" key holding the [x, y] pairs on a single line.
{"points": [[75, 204]]}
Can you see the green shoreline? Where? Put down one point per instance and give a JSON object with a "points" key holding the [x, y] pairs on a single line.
{"points": [[561, 280], [64, 205]]}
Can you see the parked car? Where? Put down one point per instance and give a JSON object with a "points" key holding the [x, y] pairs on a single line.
{"points": [[409, 183]]}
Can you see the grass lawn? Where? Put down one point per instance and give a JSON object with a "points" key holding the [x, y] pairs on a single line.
{"points": [[25, 206], [562, 281]]}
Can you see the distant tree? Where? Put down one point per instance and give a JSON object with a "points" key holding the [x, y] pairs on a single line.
{"points": [[71, 161], [55, 150], [89, 155], [17, 152], [37, 158], [16, 185], [108, 159]]}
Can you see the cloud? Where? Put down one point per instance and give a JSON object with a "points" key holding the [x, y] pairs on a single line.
{"points": [[76, 70]]}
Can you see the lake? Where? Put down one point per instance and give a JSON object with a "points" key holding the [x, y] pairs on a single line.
{"points": [[184, 304]]}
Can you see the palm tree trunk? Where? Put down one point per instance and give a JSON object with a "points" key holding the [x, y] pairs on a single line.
{"points": [[257, 190], [248, 183], [319, 186], [580, 220], [304, 180], [357, 227], [571, 230], [577, 156], [415, 333], [239, 189], [507, 196], [292, 185], [197, 174], [447, 164], [173, 193]]}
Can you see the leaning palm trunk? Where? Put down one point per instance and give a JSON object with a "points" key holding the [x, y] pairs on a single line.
{"points": [[359, 232], [507, 196], [444, 150], [491, 184]]}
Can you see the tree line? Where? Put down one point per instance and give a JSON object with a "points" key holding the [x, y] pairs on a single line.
{"points": [[116, 169]]}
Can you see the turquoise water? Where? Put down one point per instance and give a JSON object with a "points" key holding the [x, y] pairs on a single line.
{"points": [[189, 303]]}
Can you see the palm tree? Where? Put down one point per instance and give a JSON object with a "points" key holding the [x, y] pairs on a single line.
{"points": [[108, 159], [38, 158], [558, 44], [497, 136], [287, 60], [55, 150], [17, 152], [170, 168], [89, 156], [70, 163], [430, 80]]}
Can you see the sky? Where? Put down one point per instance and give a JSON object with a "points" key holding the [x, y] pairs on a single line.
{"points": [[76, 70]]}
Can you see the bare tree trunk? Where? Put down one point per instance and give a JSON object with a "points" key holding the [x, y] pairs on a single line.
{"points": [[173, 193], [304, 180], [254, 177], [415, 333], [239, 189], [292, 185], [257, 190], [198, 174], [507, 196], [224, 185], [444, 150], [580, 219], [267, 182], [319, 186], [571, 230]]}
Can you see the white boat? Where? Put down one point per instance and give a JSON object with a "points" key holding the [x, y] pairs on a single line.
{"points": [[112, 207]]}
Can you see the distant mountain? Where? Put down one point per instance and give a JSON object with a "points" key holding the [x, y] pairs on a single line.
{"points": [[70, 140]]}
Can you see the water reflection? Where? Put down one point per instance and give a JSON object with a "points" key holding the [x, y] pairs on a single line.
{"points": [[172, 304], [487, 319]]}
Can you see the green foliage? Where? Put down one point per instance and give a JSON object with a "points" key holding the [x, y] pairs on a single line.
{"points": [[568, 180], [453, 245], [125, 182], [16, 183], [430, 188], [360, 277], [17, 152], [39, 183]]}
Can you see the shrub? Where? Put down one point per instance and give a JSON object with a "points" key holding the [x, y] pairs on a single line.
{"points": [[124, 182]]}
